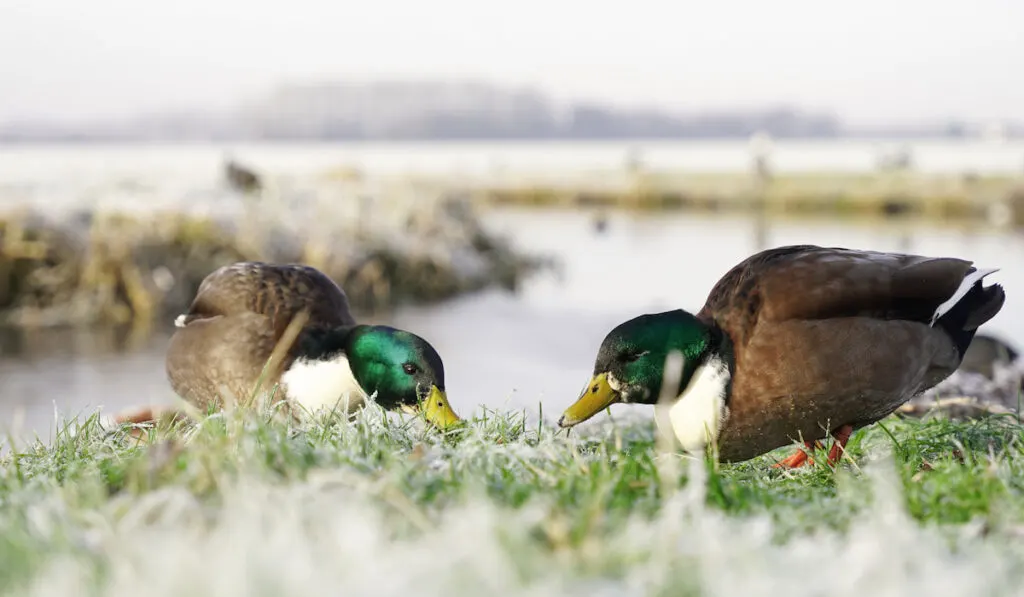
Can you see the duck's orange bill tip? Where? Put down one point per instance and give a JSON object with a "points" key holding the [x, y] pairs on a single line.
{"points": [[437, 411], [597, 396]]}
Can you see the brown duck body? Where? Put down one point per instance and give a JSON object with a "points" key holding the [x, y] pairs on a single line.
{"points": [[240, 313], [827, 337]]}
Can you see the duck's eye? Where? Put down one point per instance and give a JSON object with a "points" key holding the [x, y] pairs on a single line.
{"points": [[409, 368], [629, 357]]}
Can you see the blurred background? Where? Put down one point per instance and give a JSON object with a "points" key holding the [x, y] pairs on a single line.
{"points": [[507, 180]]}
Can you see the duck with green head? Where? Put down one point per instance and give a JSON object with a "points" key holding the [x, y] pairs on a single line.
{"points": [[796, 343], [402, 370], [241, 313]]}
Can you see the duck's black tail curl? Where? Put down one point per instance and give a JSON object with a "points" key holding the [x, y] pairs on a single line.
{"points": [[980, 304]]}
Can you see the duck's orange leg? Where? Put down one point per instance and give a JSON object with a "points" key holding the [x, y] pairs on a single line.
{"points": [[137, 416], [842, 435], [149, 415], [797, 459], [800, 457]]}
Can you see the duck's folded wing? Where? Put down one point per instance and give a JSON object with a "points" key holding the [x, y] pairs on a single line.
{"points": [[278, 292], [810, 282]]}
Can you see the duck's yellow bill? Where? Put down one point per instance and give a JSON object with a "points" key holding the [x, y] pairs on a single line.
{"points": [[597, 396], [437, 410]]}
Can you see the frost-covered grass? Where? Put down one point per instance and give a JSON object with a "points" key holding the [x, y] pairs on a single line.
{"points": [[241, 505]]}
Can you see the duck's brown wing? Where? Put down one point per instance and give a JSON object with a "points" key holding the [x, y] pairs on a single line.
{"points": [[826, 337], [220, 358], [809, 282], [277, 292]]}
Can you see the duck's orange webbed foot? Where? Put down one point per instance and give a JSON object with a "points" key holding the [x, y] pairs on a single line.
{"points": [[800, 457], [797, 458]]}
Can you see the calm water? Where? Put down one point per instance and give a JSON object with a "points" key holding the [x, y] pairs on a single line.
{"points": [[500, 350], [49, 167]]}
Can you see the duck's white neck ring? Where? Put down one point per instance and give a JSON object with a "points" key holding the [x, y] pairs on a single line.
{"points": [[699, 413], [316, 384]]}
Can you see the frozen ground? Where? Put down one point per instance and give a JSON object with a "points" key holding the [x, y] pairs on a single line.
{"points": [[384, 507]]}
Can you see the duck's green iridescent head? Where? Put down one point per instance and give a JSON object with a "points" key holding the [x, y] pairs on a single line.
{"points": [[404, 370], [630, 364]]}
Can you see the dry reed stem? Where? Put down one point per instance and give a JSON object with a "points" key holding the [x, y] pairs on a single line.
{"points": [[667, 464], [272, 368]]}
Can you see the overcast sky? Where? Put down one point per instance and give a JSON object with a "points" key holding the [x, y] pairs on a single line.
{"points": [[872, 61]]}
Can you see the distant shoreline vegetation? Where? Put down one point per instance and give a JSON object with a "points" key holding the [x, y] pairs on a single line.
{"points": [[439, 111], [101, 139]]}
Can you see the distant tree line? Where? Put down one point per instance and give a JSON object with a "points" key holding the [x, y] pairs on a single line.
{"points": [[454, 110]]}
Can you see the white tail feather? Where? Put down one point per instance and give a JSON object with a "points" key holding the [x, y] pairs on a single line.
{"points": [[969, 281]]}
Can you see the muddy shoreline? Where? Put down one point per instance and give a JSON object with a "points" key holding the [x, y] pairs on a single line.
{"points": [[95, 267]]}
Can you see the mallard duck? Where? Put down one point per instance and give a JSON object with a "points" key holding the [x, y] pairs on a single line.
{"points": [[242, 311], [988, 382], [796, 343], [986, 353]]}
